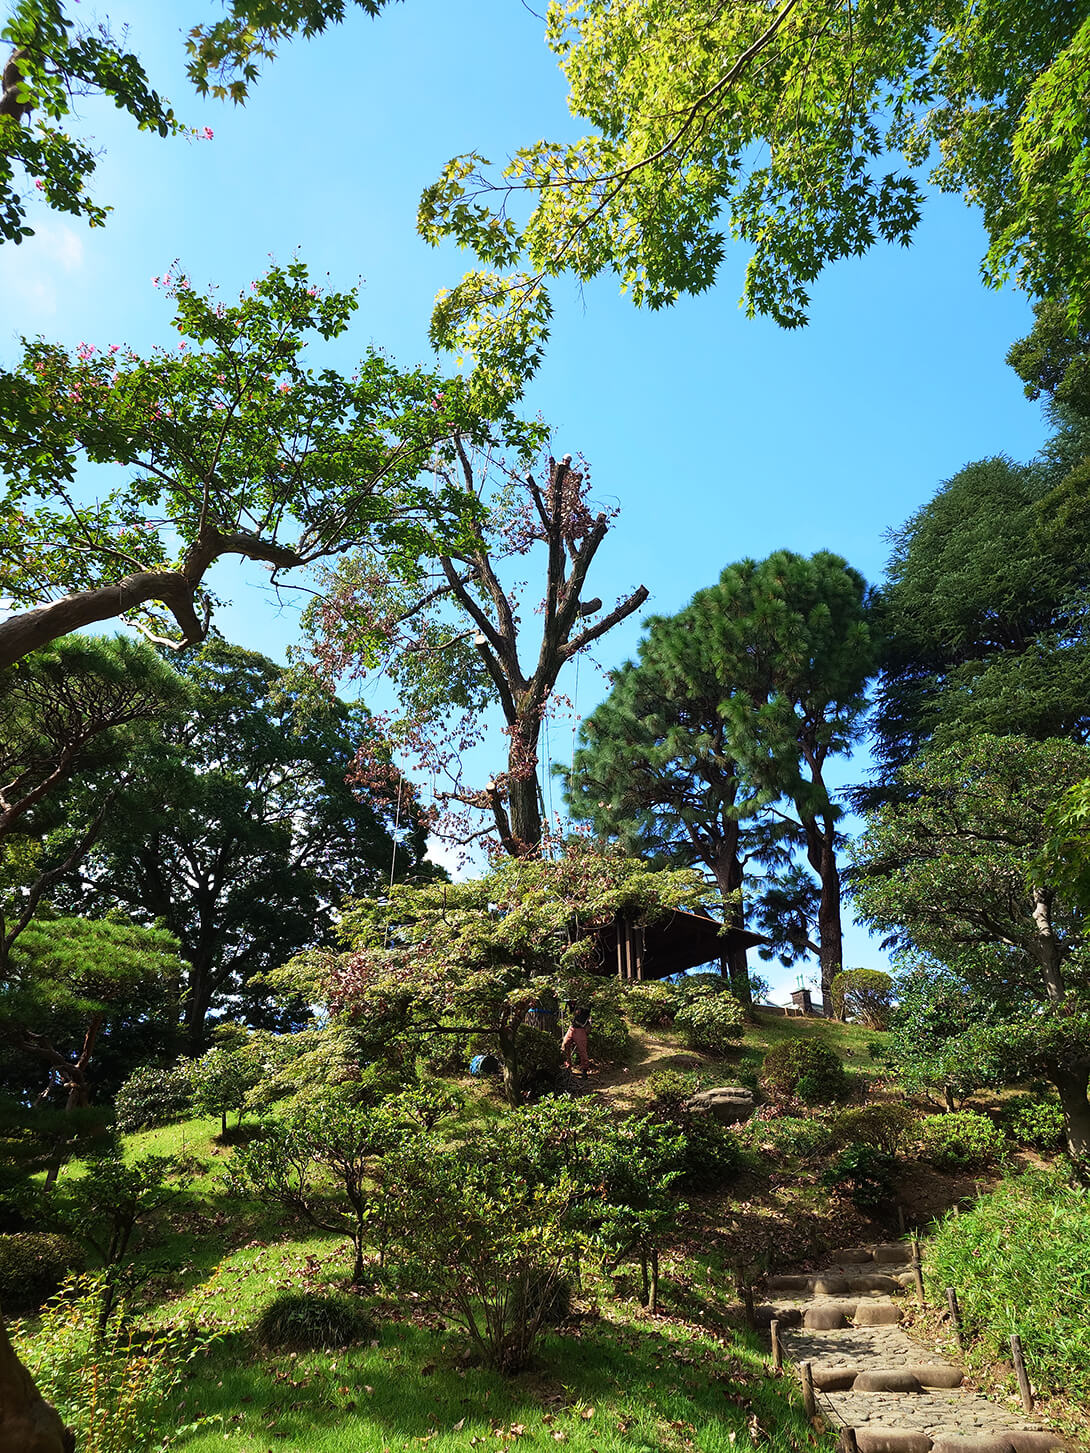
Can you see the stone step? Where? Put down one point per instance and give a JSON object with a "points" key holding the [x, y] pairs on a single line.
{"points": [[912, 1440], [834, 1283], [912, 1377]]}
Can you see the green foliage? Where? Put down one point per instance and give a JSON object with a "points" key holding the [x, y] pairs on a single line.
{"points": [[887, 1127], [806, 1069], [864, 995], [1034, 1122], [863, 1174], [1020, 1259], [699, 986], [796, 134], [960, 1140], [651, 1006], [479, 1244], [713, 1025], [984, 607], [231, 425], [931, 1045], [103, 1206], [786, 1137], [310, 1321], [671, 1090], [609, 1036], [221, 1080], [315, 1162], [110, 1382], [152, 1096], [711, 1155], [33, 1264], [264, 834]]}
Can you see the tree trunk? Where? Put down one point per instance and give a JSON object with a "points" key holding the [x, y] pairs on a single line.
{"points": [[512, 1072], [1072, 1087], [523, 790], [821, 855], [728, 875], [27, 1423]]}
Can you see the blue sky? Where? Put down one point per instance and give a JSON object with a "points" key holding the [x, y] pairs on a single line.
{"points": [[717, 436]]}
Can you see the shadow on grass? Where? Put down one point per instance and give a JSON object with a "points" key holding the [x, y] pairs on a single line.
{"points": [[607, 1385]]}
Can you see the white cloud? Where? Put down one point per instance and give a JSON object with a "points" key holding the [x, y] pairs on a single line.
{"points": [[29, 273]]}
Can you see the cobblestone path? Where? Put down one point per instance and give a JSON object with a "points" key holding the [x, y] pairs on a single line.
{"points": [[871, 1376]]}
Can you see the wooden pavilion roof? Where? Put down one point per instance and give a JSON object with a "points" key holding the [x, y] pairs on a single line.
{"points": [[681, 941]]}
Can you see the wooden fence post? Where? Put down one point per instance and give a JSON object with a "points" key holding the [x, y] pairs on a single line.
{"points": [[846, 1442], [809, 1402], [955, 1313], [777, 1348], [1020, 1368], [917, 1272]]}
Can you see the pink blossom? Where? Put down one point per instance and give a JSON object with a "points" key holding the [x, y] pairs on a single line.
{"points": [[207, 133], [39, 184], [114, 347], [285, 388]]}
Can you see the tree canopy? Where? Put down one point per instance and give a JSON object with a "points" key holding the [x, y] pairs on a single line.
{"points": [[951, 869], [229, 446], [262, 839], [802, 132]]}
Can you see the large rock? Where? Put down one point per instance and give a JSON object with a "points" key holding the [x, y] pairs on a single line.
{"points": [[729, 1104], [877, 1314], [891, 1440], [887, 1379], [937, 1374]]}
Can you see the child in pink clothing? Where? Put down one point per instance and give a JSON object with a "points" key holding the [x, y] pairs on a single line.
{"points": [[576, 1037]]}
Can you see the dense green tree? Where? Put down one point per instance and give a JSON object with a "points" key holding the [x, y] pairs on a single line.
{"points": [[769, 666], [984, 611], [66, 982], [262, 837], [656, 772], [228, 446], [796, 129], [951, 868], [74, 719]]}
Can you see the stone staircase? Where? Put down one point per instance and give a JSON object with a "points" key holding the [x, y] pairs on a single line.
{"points": [[871, 1376]]}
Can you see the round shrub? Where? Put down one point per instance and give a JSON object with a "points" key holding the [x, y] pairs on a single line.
{"points": [[711, 1156], [671, 1091], [788, 1136], [699, 986], [651, 1006], [608, 1038], [151, 1097], [1037, 1123], [309, 1321], [807, 1070], [959, 1140], [863, 1174], [34, 1263], [887, 1127], [865, 995], [712, 1024]]}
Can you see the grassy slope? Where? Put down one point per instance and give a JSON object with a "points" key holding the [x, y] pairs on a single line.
{"points": [[692, 1378]]}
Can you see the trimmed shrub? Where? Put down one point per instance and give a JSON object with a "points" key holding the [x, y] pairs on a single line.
{"points": [[807, 1070], [1020, 1259], [671, 1090], [864, 1175], [959, 1140], [33, 1264], [151, 1097], [711, 1155], [699, 986], [787, 1136], [651, 1006], [608, 1038], [309, 1321], [865, 995], [712, 1024], [887, 1127], [1033, 1122]]}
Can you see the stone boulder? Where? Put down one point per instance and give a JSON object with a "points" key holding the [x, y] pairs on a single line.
{"points": [[729, 1104]]}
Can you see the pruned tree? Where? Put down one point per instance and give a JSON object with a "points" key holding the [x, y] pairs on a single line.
{"points": [[447, 630]]}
